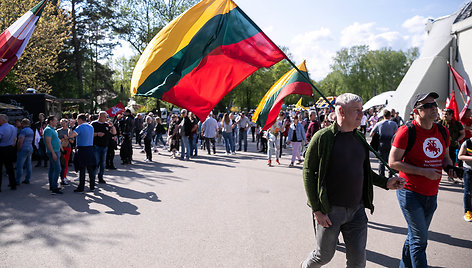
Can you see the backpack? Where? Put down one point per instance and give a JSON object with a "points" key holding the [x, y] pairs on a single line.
{"points": [[412, 136]]}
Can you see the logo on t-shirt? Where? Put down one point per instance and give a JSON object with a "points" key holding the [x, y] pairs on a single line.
{"points": [[432, 147]]}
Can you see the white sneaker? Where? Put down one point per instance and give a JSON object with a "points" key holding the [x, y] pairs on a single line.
{"points": [[233, 153]]}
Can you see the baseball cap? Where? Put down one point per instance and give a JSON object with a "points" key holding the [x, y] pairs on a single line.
{"points": [[422, 97]]}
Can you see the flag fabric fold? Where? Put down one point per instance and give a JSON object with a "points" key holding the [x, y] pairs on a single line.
{"points": [[269, 107], [14, 39], [463, 88], [202, 55], [452, 105]]}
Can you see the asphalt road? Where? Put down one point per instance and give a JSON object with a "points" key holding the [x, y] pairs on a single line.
{"points": [[211, 211]]}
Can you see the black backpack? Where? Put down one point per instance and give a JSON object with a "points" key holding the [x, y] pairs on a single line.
{"points": [[412, 136]]}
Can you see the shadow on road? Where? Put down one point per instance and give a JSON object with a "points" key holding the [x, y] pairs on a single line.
{"points": [[375, 257], [434, 236]]}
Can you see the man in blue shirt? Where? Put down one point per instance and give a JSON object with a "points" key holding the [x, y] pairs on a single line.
{"points": [[24, 151], [386, 129], [7, 150], [53, 149], [85, 156]]}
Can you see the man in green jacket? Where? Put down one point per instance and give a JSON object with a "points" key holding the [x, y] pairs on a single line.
{"points": [[339, 185]]}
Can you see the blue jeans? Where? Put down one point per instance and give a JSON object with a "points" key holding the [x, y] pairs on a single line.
{"points": [[418, 211], [54, 170], [100, 156], [229, 141], [467, 182], [193, 145], [242, 138], [352, 223], [184, 147], [159, 138], [23, 159]]}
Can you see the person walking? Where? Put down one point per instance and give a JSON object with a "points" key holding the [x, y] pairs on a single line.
{"points": [[146, 135], [126, 131], [243, 124], [39, 127], [210, 132], [66, 149], [227, 132], [421, 166], [193, 135], [386, 129], [102, 130], [85, 155], [159, 131], [7, 150], [53, 151], [24, 152], [273, 136], [456, 133], [173, 135], [185, 130], [465, 154], [296, 135], [338, 196]]}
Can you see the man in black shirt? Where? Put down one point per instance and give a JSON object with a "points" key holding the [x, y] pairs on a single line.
{"points": [[126, 130], [101, 137]]}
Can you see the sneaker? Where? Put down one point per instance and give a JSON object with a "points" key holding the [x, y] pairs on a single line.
{"points": [[142, 151], [25, 182], [226, 153], [277, 161], [300, 161], [291, 165], [102, 181], [65, 182], [155, 150], [56, 191], [269, 163], [147, 160], [449, 179], [468, 216], [233, 153]]}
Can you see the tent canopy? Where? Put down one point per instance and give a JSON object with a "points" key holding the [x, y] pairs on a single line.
{"points": [[380, 100]]}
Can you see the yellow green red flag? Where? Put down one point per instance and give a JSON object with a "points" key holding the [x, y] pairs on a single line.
{"points": [[202, 55]]}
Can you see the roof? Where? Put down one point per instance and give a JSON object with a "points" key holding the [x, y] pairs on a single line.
{"points": [[465, 13]]}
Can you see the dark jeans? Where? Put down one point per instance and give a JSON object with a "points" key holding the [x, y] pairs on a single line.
{"points": [[100, 156], [418, 212], [126, 150], [7, 154], [91, 171], [467, 184], [110, 157], [207, 144], [352, 223], [148, 148], [242, 138]]}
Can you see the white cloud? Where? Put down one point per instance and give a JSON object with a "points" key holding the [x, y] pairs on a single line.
{"points": [[415, 24], [367, 34], [317, 48]]}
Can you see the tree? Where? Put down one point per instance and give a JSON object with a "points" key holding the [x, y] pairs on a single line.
{"points": [[139, 21], [40, 59]]}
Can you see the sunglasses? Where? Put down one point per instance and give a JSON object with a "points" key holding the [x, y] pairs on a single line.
{"points": [[427, 105]]}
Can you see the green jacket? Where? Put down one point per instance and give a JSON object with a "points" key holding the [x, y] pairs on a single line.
{"points": [[315, 170]]}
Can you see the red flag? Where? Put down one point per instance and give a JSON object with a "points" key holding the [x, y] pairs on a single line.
{"points": [[452, 105], [14, 39], [116, 110], [463, 88]]}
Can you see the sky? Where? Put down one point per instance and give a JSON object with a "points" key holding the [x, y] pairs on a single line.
{"points": [[314, 30]]}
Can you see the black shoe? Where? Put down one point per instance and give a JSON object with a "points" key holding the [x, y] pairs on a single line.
{"points": [[112, 167], [56, 191], [25, 182], [92, 189], [102, 181], [78, 190], [13, 188]]}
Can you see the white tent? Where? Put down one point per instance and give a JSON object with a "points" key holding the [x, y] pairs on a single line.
{"points": [[449, 39], [379, 100]]}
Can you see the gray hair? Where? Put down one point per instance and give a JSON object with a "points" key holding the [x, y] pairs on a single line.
{"points": [[346, 98], [4, 117]]}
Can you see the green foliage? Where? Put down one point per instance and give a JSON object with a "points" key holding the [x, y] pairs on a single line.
{"points": [[367, 73]]}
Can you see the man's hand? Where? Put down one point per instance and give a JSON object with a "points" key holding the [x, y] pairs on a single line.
{"points": [[100, 134], [432, 174], [395, 183], [322, 219], [54, 156]]}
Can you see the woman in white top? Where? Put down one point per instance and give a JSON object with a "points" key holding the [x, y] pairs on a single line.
{"points": [[227, 131]]}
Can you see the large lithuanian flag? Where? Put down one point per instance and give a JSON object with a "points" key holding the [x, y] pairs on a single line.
{"points": [[292, 82], [202, 55], [14, 39]]}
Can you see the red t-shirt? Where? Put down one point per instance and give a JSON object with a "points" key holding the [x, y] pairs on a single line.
{"points": [[467, 123], [428, 150]]}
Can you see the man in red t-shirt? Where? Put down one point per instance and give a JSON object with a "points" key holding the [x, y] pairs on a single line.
{"points": [[422, 169]]}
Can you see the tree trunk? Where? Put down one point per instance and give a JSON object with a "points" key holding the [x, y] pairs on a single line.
{"points": [[77, 54]]}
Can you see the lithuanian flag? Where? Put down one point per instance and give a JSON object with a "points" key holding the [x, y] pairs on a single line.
{"points": [[290, 83], [14, 39], [202, 55]]}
